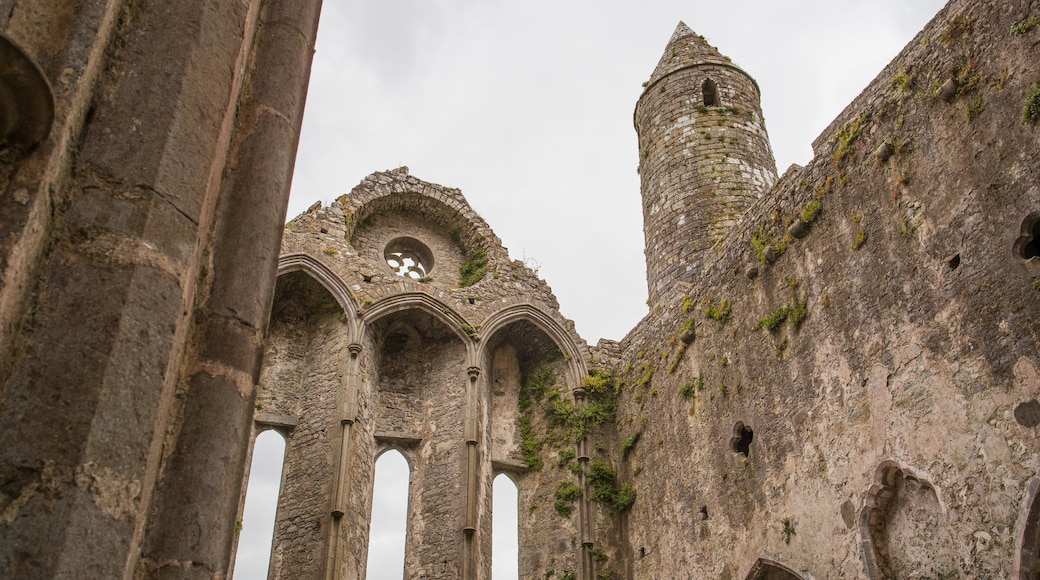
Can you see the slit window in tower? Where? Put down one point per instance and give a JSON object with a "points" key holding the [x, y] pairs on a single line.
{"points": [[711, 93]]}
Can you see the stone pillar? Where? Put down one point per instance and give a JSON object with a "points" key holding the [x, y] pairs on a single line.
{"points": [[584, 513], [113, 212], [192, 531], [469, 564], [348, 413]]}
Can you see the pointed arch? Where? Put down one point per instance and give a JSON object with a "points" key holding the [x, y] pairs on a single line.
{"points": [[766, 569], [428, 304], [564, 340], [327, 278], [883, 499]]}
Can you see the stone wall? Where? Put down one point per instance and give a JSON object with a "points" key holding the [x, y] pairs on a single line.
{"points": [[439, 377], [885, 441]]}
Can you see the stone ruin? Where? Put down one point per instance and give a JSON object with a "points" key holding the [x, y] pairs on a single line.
{"points": [[838, 377]]}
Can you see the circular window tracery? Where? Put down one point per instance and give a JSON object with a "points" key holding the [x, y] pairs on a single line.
{"points": [[409, 258]]}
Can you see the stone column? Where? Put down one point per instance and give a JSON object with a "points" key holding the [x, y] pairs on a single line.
{"points": [[113, 211], [584, 527], [348, 413], [469, 567], [193, 527]]}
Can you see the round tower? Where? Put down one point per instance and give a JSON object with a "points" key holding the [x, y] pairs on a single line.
{"points": [[704, 156]]}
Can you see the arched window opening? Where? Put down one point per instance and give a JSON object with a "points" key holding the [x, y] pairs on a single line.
{"points": [[389, 527], [253, 556], [710, 92], [505, 523]]}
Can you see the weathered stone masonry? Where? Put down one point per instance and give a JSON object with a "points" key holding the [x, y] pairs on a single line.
{"points": [[838, 378]]}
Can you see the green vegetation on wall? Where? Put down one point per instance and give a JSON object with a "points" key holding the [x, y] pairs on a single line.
{"points": [[474, 268], [606, 489]]}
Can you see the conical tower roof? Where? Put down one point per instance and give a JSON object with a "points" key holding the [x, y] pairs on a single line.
{"points": [[684, 49]]}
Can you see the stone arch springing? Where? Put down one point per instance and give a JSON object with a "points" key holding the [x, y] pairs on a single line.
{"points": [[389, 512], [1027, 560], [766, 569], [256, 526], [710, 93], [304, 360], [903, 526], [569, 344], [416, 396]]}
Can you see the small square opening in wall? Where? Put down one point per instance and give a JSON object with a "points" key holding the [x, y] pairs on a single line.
{"points": [[742, 437], [1027, 246], [1031, 248]]}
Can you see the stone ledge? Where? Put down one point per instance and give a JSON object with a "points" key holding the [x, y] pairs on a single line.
{"points": [[272, 420], [397, 438]]}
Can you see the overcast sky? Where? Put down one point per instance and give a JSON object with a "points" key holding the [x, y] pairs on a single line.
{"points": [[527, 107]]}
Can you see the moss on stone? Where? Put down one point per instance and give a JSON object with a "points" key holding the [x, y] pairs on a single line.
{"points": [[474, 268]]}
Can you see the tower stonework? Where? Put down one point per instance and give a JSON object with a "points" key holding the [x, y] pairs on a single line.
{"points": [[704, 155]]}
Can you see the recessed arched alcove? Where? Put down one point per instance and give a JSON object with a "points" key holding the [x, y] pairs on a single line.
{"points": [[906, 528], [299, 378], [516, 353], [413, 396], [417, 357], [526, 370]]}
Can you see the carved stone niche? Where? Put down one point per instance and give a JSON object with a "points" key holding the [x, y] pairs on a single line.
{"points": [[904, 527], [26, 102]]}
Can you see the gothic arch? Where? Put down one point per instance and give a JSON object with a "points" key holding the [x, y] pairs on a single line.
{"points": [[430, 305], [571, 349], [766, 569], [327, 278], [396, 190]]}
